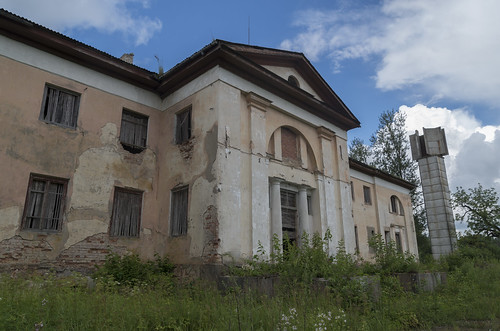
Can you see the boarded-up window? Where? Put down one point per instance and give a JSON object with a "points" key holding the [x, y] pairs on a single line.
{"points": [[133, 131], [183, 126], [44, 203], [289, 144], [367, 195], [126, 218], [289, 214], [60, 106], [179, 211]]}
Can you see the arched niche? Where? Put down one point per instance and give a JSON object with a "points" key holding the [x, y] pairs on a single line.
{"points": [[290, 146]]}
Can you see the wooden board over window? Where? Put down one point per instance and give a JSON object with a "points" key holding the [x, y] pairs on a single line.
{"points": [[289, 214], [183, 126], [133, 131], [60, 106], [126, 218]]}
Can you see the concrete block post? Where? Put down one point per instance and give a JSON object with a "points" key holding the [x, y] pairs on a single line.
{"points": [[429, 150]]}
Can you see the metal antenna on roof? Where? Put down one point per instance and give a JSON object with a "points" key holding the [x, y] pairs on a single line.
{"points": [[160, 67], [249, 30]]}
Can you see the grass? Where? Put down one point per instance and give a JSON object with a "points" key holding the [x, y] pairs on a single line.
{"points": [[156, 301]]}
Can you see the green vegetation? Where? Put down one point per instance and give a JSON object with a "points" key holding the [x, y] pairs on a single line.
{"points": [[149, 298]]}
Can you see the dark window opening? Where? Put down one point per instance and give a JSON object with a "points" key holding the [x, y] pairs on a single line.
{"points": [[370, 233], [352, 191], [309, 205], [126, 218], [399, 247], [179, 211], [60, 107], [183, 126], [293, 81], [356, 238], [133, 131], [367, 195]]}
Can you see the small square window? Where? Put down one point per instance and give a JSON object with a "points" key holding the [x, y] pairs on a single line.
{"points": [[45, 201], [183, 126], [126, 218], [179, 211], [60, 106], [133, 131], [367, 195]]}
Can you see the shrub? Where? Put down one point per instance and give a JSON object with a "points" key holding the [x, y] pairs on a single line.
{"points": [[388, 259], [130, 270]]}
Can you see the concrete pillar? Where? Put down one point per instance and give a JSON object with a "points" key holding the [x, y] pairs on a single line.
{"points": [[429, 150], [276, 224], [257, 106], [303, 225]]}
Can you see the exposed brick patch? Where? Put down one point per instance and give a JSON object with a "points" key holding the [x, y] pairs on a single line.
{"points": [[19, 253], [17, 250], [186, 148], [212, 240], [89, 252], [289, 145]]}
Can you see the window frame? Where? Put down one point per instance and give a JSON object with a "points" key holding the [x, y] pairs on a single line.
{"points": [[45, 114], [178, 221], [367, 195], [135, 123], [180, 122], [114, 225], [48, 180]]}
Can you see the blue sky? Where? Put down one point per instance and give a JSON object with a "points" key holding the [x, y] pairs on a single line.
{"points": [[437, 61]]}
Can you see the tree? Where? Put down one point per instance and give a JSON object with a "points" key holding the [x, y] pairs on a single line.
{"points": [[390, 147], [390, 152], [479, 208], [359, 151]]}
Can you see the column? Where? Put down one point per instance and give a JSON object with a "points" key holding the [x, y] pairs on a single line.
{"points": [[303, 225], [257, 107], [276, 224]]}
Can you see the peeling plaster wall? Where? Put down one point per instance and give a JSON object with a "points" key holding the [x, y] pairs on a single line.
{"points": [[378, 215], [90, 157]]}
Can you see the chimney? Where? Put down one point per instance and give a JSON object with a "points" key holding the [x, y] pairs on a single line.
{"points": [[128, 57]]}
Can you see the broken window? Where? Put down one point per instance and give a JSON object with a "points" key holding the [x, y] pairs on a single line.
{"points": [[44, 203], [126, 218], [183, 126], [367, 195], [289, 215], [60, 106], [133, 131], [179, 211]]}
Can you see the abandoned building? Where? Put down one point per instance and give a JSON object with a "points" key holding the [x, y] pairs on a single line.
{"points": [[204, 163]]}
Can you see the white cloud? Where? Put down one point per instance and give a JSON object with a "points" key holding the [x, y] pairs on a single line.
{"points": [[474, 148], [107, 16], [448, 48]]}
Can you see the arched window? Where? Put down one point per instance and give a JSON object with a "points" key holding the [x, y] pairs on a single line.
{"points": [[293, 80], [396, 206]]}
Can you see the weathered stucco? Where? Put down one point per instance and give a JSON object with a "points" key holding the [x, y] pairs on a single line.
{"points": [[233, 165]]}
